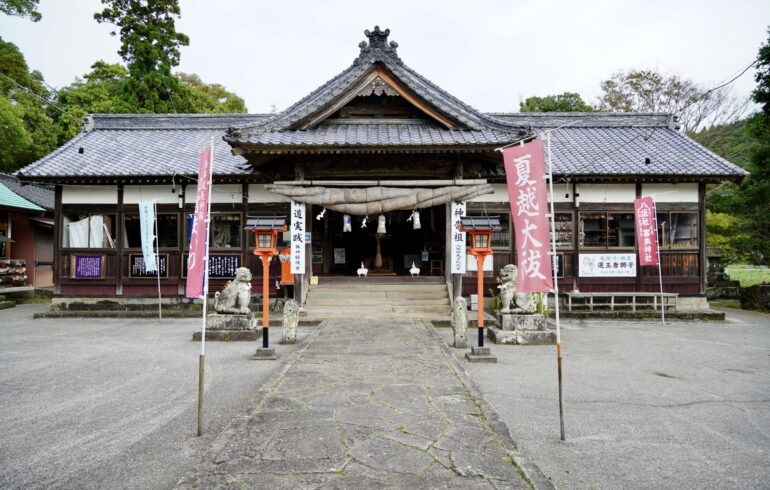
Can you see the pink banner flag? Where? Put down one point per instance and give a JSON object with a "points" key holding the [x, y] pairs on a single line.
{"points": [[646, 234], [525, 174], [199, 235]]}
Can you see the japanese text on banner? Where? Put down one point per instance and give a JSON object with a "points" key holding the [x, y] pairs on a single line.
{"points": [[458, 239], [147, 229], [646, 232], [199, 234], [297, 231], [525, 175]]}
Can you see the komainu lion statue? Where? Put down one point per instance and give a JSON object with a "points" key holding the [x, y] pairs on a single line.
{"points": [[236, 292], [511, 300]]}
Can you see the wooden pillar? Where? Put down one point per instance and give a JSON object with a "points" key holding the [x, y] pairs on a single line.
{"points": [[119, 244], [638, 286], [57, 239], [702, 235]]}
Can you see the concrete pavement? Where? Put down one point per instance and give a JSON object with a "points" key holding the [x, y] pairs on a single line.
{"points": [[111, 403], [685, 405]]}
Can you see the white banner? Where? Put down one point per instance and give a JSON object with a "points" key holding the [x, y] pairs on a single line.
{"points": [[297, 237], [607, 265], [147, 228], [458, 239]]}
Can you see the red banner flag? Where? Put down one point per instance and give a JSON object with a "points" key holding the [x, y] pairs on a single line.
{"points": [[525, 174], [646, 232], [199, 235]]}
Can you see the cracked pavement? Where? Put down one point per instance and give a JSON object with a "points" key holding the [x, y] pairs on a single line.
{"points": [[368, 404]]}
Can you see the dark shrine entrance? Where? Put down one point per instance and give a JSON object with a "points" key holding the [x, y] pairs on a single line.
{"points": [[340, 253]]}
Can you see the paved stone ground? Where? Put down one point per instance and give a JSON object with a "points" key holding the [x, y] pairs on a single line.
{"points": [[368, 404], [685, 405]]}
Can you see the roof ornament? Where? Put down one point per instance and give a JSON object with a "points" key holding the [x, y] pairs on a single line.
{"points": [[378, 44]]}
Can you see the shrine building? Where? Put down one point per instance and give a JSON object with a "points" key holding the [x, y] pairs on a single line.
{"points": [[380, 161]]}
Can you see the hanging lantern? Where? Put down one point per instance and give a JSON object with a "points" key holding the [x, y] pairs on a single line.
{"points": [[381, 224], [416, 225], [347, 226]]}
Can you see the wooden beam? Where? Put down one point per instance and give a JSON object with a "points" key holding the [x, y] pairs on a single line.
{"points": [[386, 183]]}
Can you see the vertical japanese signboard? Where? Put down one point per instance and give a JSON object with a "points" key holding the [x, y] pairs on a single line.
{"points": [[646, 233], [147, 229], [199, 234], [458, 239], [525, 175], [297, 237]]}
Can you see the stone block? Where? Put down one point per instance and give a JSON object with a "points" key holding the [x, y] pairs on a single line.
{"points": [[230, 322], [515, 321], [480, 354], [264, 354], [521, 337]]}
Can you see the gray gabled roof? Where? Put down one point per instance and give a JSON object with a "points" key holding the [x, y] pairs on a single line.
{"points": [[377, 53], [123, 145]]}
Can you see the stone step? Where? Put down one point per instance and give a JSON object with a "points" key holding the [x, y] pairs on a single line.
{"points": [[360, 311], [313, 301], [379, 295], [380, 287]]}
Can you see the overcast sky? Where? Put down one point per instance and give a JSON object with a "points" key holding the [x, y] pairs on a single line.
{"points": [[490, 54]]}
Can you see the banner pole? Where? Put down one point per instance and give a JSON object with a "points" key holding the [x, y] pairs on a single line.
{"points": [[660, 273], [157, 255], [202, 359], [555, 288]]}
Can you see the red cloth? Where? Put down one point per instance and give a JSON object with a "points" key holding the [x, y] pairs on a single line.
{"points": [[199, 235], [646, 230]]}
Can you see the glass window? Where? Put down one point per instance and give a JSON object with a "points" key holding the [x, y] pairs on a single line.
{"points": [[684, 230], [593, 230], [620, 230], [167, 230], [88, 230], [225, 230], [564, 230], [502, 238]]}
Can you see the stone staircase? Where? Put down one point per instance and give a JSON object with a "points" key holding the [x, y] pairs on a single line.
{"points": [[425, 298]]}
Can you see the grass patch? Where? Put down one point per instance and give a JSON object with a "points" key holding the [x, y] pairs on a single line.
{"points": [[30, 301], [748, 275]]}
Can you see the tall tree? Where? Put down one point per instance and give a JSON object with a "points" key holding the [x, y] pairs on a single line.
{"points": [[650, 91], [211, 97], [21, 8], [150, 47], [28, 131], [566, 102]]}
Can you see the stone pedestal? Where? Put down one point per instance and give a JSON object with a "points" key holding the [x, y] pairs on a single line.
{"points": [[264, 354], [518, 329], [227, 326], [480, 354]]}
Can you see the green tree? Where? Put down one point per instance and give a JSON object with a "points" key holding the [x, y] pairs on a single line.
{"points": [[150, 47], [650, 91], [212, 98], [21, 8], [28, 131], [566, 102]]}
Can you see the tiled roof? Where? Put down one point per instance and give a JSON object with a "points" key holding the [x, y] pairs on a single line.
{"points": [[377, 53], [9, 199], [42, 195], [377, 133], [134, 144]]}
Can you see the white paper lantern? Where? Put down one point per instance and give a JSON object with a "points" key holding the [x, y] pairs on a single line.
{"points": [[381, 224], [416, 225], [347, 226]]}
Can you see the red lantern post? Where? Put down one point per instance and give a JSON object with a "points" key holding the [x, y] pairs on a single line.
{"points": [[480, 229], [265, 229]]}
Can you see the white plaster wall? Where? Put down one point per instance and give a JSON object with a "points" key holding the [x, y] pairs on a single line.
{"points": [[671, 192], [258, 193], [620, 193], [72, 194], [561, 192], [132, 194], [220, 193]]}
